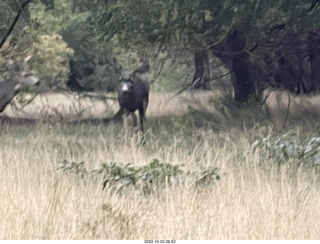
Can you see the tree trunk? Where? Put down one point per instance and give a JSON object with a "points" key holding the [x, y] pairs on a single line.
{"points": [[239, 62], [314, 57], [201, 78]]}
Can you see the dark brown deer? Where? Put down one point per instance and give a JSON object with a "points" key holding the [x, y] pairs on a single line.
{"points": [[133, 94], [20, 77]]}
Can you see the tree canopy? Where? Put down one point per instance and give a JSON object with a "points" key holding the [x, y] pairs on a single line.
{"points": [[84, 44]]}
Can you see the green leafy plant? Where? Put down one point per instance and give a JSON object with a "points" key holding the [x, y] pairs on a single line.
{"points": [[289, 146], [114, 174], [119, 177], [155, 175], [55, 49], [157, 172]]}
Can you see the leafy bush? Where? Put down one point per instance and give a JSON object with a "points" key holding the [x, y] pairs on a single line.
{"points": [[289, 146], [114, 175], [146, 179], [55, 49], [157, 172]]}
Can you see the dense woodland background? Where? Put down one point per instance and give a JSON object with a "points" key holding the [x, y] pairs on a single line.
{"points": [[238, 162], [84, 44]]}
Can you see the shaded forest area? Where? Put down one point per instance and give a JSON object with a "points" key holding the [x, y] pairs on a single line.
{"points": [[85, 45]]}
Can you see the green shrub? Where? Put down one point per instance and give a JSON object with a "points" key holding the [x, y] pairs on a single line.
{"points": [[55, 49], [289, 146], [146, 179]]}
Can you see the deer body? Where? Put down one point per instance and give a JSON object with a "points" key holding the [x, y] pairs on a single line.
{"points": [[7, 92], [132, 96], [20, 77]]}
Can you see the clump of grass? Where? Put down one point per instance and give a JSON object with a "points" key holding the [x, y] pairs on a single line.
{"points": [[234, 115], [73, 167], [207, 176]]}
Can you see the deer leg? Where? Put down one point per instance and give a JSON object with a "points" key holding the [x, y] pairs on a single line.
{"points": [[141, 118], [134, 118], [145, 105], [118, 115]]}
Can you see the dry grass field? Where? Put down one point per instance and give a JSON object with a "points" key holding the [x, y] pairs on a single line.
{"points": [[254, 198]]}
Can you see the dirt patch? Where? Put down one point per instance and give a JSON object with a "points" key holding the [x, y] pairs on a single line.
{"points": [[57, 107], [67, 107], [284, 105]]}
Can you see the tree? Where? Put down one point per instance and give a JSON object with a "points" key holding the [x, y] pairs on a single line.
{"points": [[15, 20], [250, 37], [253, 39], [277, 49], [36, 33]]}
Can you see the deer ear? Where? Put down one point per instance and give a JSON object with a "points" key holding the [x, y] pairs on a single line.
{"points": [[26, 59]]}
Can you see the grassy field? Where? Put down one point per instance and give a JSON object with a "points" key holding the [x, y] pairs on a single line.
{"points": [[254, 197]]}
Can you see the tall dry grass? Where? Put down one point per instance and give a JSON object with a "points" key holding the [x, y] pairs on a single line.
{"points": [[256, 198]]}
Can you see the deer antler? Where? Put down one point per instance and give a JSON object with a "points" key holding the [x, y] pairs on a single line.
{"points": [[26, 59]]}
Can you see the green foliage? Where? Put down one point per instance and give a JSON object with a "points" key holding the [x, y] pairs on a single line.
{"points": [[8, 12], [114, 173], [141, 22], [49, 3], [175, 25], [289, 146], [92, 65], [118, 177], [156, 175], [39, 37], [51, 16], [55, 49], [91, 74], [97, 31]]}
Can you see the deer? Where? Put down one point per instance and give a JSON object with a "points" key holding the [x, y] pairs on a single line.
{"points": [[20, 77], [133, 95]]}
